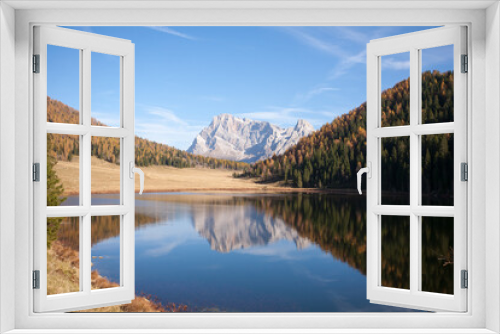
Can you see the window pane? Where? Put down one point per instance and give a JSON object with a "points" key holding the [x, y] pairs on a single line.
{"points": [[105, 171], [396, 251], [63, 169], [63, 260], [105, 252], [437, 84], [63, 85], [395, 170], [395, 77], [437, 169], [105, 90], [437, 254]]}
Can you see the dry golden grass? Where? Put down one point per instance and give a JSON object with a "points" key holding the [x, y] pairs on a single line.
{"points": [[63, 276], [62, 270], [106, 179]]}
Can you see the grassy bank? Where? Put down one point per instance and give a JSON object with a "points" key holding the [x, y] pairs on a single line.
{"points": [[63, 275], [106, 179]]}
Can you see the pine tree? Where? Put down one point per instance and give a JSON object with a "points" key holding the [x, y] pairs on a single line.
{"points": [[299, 179], [54, 194]]}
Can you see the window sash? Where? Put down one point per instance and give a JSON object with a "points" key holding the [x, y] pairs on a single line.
{"points": [[87, 43], [413, 43]]}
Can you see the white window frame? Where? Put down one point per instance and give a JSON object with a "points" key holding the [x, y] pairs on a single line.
{"points": [[413, 43], [485, 235], [86, 44]]}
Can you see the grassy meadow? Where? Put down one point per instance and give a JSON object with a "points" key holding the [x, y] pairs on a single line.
{"points": [[106, 179]]}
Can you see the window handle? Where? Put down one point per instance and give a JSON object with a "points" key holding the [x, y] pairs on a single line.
{"points": [[368, 171], [132, 171]]}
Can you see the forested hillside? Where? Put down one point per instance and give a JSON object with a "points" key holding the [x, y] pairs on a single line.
{"points": [[331, 156], [146, 152]]}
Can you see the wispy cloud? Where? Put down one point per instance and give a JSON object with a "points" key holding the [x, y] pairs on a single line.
{"points": [[314, 41], [166, 115], [305, 97], [347, 63], [171, 31], [180, 137], [353, 35], [331, 114], [362, 35], [280, 115], [346, 56], [288, 116], [164, 126], [393, 64]]}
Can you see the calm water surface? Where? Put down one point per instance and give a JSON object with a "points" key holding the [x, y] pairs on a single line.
{"points": [[244, 253]]}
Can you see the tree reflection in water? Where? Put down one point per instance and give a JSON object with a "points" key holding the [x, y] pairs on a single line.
{"points": [[337, 223]]}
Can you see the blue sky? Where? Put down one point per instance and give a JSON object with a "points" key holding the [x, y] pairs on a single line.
{"points": [[187, 75]]}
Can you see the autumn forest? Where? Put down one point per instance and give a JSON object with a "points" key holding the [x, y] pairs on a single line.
{"points": [[327, 158], [331, 156]]}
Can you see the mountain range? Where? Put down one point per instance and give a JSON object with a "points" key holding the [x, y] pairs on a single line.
{"points": [[147, 152], [241, 139], [326, 158]]}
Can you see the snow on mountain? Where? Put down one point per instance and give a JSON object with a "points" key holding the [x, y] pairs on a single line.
{"points": [[233, 138]]}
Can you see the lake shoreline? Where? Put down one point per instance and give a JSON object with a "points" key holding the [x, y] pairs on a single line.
{"points": [[273, 190], [63, 276]]}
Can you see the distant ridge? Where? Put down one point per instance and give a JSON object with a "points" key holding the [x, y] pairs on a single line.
{"points": [[241, 139]]}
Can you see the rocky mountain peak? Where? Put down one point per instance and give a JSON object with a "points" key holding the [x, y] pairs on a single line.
{"points": [[242, 139], [222, 118], [303, 124]]}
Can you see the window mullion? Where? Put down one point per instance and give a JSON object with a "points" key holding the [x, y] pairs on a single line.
{"points": [[86, 144], [414, 169], [418, 155], [85, 173], [86, 255]]}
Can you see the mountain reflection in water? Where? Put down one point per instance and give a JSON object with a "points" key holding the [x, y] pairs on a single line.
{"points": [[265, 253], [231, 227]]}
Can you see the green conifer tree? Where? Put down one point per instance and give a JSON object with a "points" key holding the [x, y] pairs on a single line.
{"points": [[54, 195], [299, 179]]}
